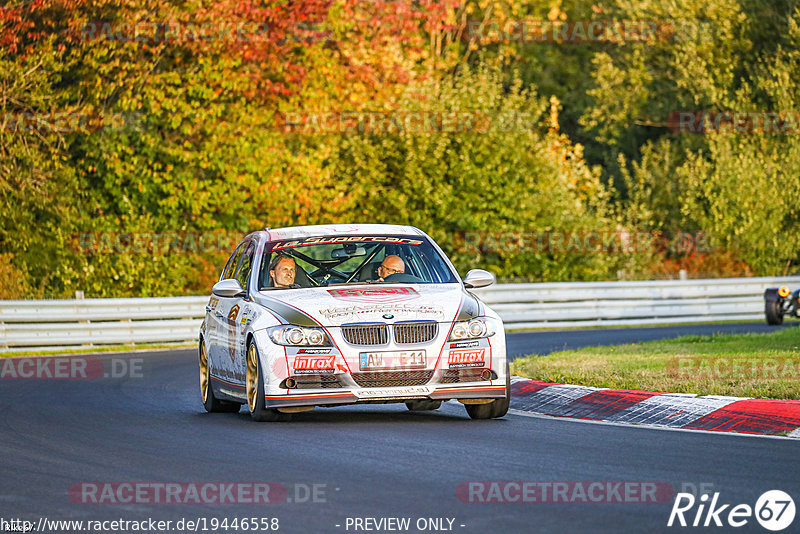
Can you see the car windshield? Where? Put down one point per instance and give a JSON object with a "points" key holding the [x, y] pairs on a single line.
{"points": [[337, 260]]}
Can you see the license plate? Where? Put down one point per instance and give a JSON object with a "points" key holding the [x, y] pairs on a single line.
{"points": [[389, 360]]}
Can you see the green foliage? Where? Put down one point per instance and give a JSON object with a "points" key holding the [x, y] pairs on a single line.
{"points": [[653, 195], [746, 193], [745, 188], [37, 184], [193, 141], [492, 184]]}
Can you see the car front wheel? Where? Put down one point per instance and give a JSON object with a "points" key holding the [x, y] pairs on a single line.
{"points": [[255, 390], [496, 408], [500, 406]]}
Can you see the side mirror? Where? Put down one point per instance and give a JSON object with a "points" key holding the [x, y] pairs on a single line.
{"points": [[228, 288], [478, 278]]}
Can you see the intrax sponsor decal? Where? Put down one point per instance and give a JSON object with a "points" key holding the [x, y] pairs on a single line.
{"points": [[314, 364], [458, 359]]}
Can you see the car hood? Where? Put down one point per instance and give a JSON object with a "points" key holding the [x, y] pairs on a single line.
{"points": [[338, 305]]}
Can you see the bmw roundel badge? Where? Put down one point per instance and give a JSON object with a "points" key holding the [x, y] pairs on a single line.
{"points": [[388, 316]]}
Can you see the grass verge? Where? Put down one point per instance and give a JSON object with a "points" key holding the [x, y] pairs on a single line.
{"points": [[741, 365]]}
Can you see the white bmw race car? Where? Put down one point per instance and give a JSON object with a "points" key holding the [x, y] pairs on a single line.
{"points": [[343, 314]]}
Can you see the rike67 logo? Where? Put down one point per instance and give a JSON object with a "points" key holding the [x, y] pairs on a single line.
{"points": [[774, 510]]}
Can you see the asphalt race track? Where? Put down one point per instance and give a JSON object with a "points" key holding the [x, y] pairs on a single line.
{"points": [[367, 461]]}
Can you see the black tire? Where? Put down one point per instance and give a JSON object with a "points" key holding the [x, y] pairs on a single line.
{"points": [[210, 402], [496, 408], [500, 406], [423, 405], [480, 411], [255, 391], [773, 309]]}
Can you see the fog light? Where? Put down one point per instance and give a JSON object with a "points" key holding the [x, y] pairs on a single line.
{"points": [[486, 374], [291, 383]]}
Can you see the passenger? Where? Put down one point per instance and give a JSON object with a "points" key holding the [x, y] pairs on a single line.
{"points": [[391, 265], [282, 271]]}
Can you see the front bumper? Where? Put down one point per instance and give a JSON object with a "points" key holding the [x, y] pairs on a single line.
{"points": [[385, 395], [346, 383]]}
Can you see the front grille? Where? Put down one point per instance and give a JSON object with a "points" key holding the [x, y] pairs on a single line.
{"points": [[390, 379], [366, 334], [416, 332], [452, 376], [317, 381]]}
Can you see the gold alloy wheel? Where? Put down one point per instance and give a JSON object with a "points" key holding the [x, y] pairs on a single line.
{"points": [[252, 376], [203, 372]]}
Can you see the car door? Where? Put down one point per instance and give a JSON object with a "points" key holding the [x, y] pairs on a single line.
{"points": [[231, 312], [216, 318]]}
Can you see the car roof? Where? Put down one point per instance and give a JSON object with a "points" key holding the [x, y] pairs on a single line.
{"points": [[296, 232]]}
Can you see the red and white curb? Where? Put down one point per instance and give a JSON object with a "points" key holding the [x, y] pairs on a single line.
{"points": [[671, 410]]}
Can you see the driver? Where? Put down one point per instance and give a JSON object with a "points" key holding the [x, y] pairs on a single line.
{"points": [[282, 271], [391, 265]]}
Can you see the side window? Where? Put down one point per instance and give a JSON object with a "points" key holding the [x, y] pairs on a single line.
{"points": [[243, 272], [233, 262]]}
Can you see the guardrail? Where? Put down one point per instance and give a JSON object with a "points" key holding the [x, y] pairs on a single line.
{"points": [[571, 304], [51, 324], [40, 324]]}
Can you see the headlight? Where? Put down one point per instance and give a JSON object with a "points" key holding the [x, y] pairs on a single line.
{"points": [[474, 328], [289, 334]]}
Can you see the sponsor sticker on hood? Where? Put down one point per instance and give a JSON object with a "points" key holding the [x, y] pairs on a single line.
{"points": [[334, 306], [399, 310], [375, 295]]}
